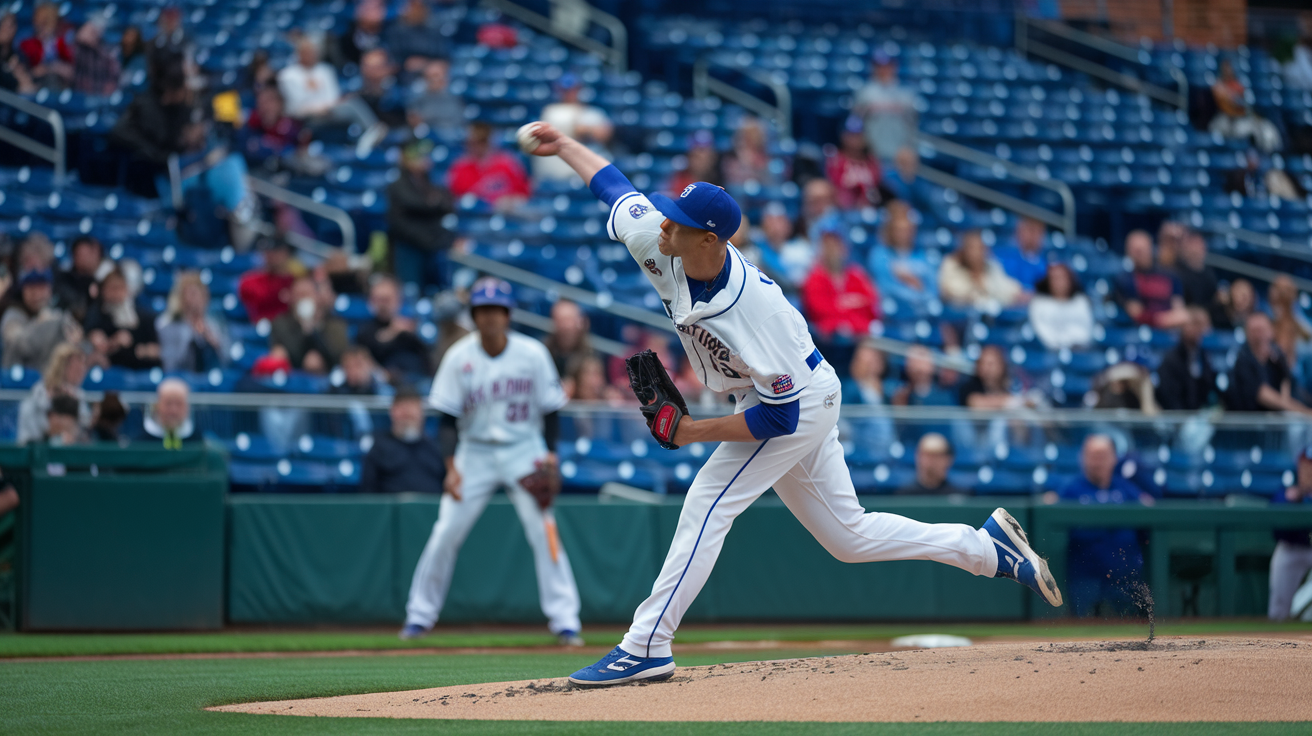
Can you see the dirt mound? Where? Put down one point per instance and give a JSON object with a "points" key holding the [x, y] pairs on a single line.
{"points": [[1172, 679]]}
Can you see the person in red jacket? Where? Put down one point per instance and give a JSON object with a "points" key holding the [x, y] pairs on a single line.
{"points": [[838, 297], [853, 170], [494, 176], [48, 52], [265, 291]]}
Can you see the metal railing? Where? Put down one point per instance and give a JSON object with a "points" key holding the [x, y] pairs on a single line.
{"points": [[56, 154], [1244, 268], [301, 202], [781, 112], [1269, 243], [1026, 46], [1065, 221], [616, 55], [544, 324]]}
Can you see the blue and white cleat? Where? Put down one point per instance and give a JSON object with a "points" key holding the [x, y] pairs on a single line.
{"points": [[1017, 560], [412, 631], [619, 667]]}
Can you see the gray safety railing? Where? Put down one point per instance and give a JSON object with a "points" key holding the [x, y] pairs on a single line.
{"points": [[1244, 268], [615, 55], [1026, 46], [1266, 242], [932, 146], [301, 202], [544, 324], [781, 112], [56, 154]]}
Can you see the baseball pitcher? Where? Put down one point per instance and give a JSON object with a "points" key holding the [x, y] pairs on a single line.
{"points": [[742, 336]]}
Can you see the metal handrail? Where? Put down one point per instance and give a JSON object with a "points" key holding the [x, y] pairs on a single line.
{"points": [[1243, 268], [55, 154], [616, 55], [1270, 243], [781, 112], [1026, 46], [595, 341], [573, 293], [301, 202], [1066, 221]]}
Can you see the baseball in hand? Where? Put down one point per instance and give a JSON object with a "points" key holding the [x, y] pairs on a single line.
{"points": [[528, 143]]}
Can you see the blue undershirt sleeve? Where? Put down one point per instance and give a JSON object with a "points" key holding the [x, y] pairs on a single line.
{"points": [[609, 185], [772, 420]]}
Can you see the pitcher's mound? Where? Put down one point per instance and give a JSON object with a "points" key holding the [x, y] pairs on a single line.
{"points": [[1174, 679]]}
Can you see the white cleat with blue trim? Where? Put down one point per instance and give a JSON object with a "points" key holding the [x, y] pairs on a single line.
{"points": [[619, 667], [1017, 560]]}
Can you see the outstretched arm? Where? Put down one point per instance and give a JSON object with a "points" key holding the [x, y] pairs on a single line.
{"points": [[602, 178]]}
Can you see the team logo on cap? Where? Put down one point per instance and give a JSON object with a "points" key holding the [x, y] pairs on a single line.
{"points": [[687, 189], [783, 384], [638, 210], [710, 224]]}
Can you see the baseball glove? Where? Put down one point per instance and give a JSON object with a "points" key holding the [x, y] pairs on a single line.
{"points": [[543, 484], [662, 404]]}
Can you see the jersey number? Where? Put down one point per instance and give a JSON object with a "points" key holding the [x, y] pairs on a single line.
{"points": [[517, 412]]}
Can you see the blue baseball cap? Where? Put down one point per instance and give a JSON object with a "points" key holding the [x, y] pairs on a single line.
{"points": [[36, 276], [703, 206], [491, 291], [568, 80]]}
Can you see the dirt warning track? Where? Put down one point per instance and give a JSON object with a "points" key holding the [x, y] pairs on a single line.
{"points": [[1172, 679]]}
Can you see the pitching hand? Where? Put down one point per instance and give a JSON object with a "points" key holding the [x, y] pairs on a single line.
{"points": [[549, 139]]}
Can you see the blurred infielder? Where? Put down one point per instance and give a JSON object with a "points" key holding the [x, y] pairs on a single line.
{"points": [[742, 336], [497, 394]]}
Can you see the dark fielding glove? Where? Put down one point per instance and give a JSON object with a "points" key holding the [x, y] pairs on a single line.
{"points": [[662, 404], [543, 484]]}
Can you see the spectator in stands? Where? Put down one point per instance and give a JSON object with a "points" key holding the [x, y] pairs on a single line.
{"points": [[853, 170], [48, 52], [265, 291], [890, 110], [1298, 70], [784, 257], [1125, 385], [32, 328], [1170, 241], [435, 105], [992, 387], [750, 159], [1292, 558], [1233, 306], [260, 75], [1185, 379], [162, 121], [191, 339], [970, 277], [1023, 259], [363, 34], [170, 37], [934, 457], [900, 270], [569, 340], [108, 421], [585, 380], [448, 313], [359, 376], [63, 376], [62, 425], [77, 286], [121, 335], [311, 94], [839, 298], [585, 123], [864, 386], [903, 181], [379, 90], [1235, 118], [33, 253], [308, 334], [494, 176], [270, 131], [404, 460], [1198, 282], [168, 422], [1148, 294], [14, 75], [414, 40], [416, 207], [389, 337], [96, 67], [703, 164], [1290, 327], [1060, 313], [819, 210], [922, 386], [1260, 379], [1104, 565]]}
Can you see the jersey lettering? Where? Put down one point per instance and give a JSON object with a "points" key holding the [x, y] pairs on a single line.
{"points": [[716, 350], [499, 390]]}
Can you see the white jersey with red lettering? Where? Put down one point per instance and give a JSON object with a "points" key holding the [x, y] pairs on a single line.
{"points": [[502, 399]]}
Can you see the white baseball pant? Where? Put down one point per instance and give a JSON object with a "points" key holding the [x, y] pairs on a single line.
{"points": [[1290, 563], [483, 469], [808, 472]]}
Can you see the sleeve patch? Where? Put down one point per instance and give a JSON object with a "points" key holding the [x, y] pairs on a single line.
{"points": [[638, 210], [783, 384]]}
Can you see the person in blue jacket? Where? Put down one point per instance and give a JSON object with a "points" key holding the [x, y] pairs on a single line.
{"points": [[1103, 565]]}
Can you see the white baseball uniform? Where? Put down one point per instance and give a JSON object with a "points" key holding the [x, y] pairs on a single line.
{"points": [[499, 403], [749, 340]]}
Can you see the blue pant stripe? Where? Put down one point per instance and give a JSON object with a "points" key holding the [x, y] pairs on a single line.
{"points": [[698, 542]]}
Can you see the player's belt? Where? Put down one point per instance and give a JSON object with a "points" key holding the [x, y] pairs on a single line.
{"points": [[814, 359]]}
